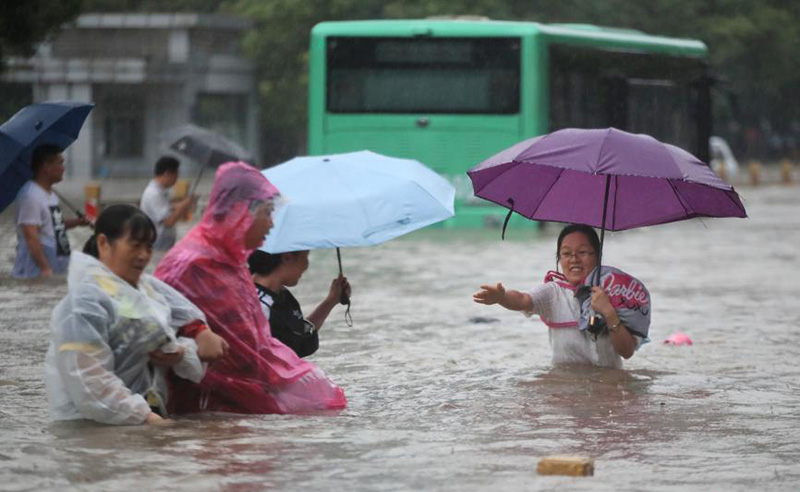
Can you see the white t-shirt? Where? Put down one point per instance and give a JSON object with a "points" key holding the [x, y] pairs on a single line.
{"points": [[155, 203], [558, 308], [38, 207]]}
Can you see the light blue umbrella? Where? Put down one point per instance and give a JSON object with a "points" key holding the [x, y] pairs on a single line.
{"points": [[356, 199]]}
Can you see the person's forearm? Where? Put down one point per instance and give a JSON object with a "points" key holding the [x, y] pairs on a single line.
{"points": [[36, 250], [174, 217], [516, 301], [320, 314], [621, 339], [98, 393], [70, 223]]}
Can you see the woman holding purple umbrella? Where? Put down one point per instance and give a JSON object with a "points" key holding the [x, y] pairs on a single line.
{"points": [[622, 301]]}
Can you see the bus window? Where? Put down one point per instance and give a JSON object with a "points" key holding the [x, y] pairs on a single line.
{"points": [[634, 91], [423, 75]]}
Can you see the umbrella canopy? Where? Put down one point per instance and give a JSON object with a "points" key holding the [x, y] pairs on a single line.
{"points": [[356, 199], [53, 122], [204, 146], [605, 178]]}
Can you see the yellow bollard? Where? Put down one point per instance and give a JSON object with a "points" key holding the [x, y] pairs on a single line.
{"points": [[575, 466], [179, 192], [722, 173], [755, 170], [787, 169], [91, 205]]}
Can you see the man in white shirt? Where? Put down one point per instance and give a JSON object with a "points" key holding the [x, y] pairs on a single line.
{"points": [[42, 244], [156, 204]]}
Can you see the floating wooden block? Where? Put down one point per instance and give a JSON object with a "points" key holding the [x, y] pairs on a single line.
{"points": [[575, 466]]}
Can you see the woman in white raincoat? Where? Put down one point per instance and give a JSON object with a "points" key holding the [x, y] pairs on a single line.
{"points": [[114, 334]]}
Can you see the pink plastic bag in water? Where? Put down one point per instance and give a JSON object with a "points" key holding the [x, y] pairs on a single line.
{"points": [[208, 266], [678, 338]]}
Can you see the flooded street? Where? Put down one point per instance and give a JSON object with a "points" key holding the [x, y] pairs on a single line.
{"points": [[445, 394]]}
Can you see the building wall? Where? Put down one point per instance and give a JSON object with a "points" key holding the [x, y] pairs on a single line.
{"points": [[146, 74]]}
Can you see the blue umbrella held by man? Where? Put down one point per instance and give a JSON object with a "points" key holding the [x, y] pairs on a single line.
{"points": [[32, 161]]}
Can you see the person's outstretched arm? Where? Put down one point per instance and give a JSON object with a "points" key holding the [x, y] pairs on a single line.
{"points": [[509, 299]]}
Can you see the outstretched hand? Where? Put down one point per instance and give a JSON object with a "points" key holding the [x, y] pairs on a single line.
{"points": [[489, 294]]}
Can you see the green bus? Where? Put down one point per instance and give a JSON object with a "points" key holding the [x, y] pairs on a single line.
{"points": [[450, 93]]}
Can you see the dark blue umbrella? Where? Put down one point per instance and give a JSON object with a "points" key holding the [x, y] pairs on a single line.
{"points": [[54, 122]]}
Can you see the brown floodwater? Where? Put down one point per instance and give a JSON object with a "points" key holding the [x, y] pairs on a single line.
{"points": [[446, 394]]}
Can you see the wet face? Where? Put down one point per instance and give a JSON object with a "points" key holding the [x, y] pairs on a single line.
{"points": [[577, 257], [262, 223], [53, 169], [169, 178], [293, 265], [126, 257]]}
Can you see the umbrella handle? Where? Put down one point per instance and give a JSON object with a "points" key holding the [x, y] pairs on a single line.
{"points": [[343, 297], [72, 207], [197, 178], [508, 216]]}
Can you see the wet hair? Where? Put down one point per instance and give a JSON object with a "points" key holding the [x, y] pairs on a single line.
{"points": [[587, 231], [42, 154], [166, 164], [118, 221], [262, 263]]}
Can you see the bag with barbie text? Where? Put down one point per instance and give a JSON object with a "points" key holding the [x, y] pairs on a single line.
{"points": [[628, 296]]}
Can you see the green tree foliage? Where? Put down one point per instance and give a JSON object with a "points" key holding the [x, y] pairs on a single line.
{"points": [[23, 24], [199, 6], [754, 46]]}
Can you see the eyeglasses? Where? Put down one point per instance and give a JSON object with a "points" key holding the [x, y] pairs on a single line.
{"points": [[580, 255]]}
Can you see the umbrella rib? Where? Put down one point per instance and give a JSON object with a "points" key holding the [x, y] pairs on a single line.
{"points": [[678, 196], [510, 168], [347, 185], [614, 211], [737, 205], [545, 194]]}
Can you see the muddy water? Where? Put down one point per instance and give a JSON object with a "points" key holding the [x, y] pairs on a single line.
{"points": [[449, 395]]}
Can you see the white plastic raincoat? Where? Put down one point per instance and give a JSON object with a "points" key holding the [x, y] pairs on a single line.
{"points": [[97, 366]]}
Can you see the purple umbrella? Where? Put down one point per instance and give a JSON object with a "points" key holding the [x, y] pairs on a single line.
{"points": [[604, 178]]}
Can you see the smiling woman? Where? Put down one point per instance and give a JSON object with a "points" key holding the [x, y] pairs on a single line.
{"points": [[557, 304]]}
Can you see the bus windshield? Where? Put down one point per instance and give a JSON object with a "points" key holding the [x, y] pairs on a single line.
{"points": [[423, 75]]}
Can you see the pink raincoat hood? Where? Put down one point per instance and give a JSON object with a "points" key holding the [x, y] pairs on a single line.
{"points": [[225, 222]]}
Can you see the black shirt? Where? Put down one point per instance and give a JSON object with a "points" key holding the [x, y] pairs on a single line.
{"points": [[287, 323]]}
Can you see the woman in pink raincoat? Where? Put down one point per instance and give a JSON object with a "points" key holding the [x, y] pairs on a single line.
{"points": [[209, 267]]}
